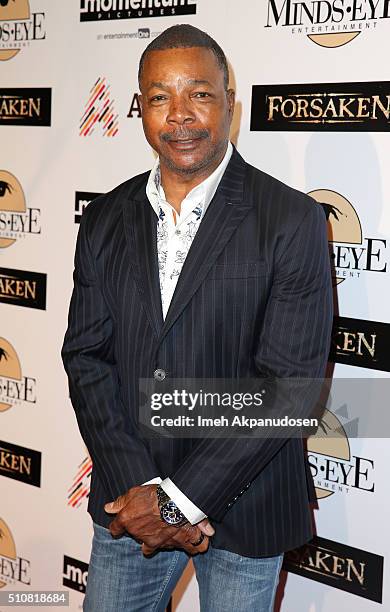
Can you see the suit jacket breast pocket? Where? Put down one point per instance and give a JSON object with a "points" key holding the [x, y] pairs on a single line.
{"points": [[246, 269]]}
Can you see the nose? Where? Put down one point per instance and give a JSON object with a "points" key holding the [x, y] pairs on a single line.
{"points": [[180, 111]]}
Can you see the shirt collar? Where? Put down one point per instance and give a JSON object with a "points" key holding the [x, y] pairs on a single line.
{"points": [[201, 194]]}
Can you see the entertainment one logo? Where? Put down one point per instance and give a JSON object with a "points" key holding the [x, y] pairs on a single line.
{"points": [[13, 569], [20, 463], [324, 107], [99, 10], [25, 106], [18, 27], [75, 574], [338, 565], [351, 254], [16, 220], [361, 343], [22, 288], [100, 111], [79, 490], [333, 467], [15, 388], [328, 23]]}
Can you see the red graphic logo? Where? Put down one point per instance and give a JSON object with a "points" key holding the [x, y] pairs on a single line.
{"points": [[100, 110], [81, 484]]}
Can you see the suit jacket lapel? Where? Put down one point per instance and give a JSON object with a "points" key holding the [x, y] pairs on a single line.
{"points": [[225, 212], [140, 226]]}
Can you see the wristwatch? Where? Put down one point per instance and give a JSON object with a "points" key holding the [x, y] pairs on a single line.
{"points": [[169, 512]]}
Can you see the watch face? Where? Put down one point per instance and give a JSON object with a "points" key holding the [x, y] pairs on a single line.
{"points": [[171, 514]]}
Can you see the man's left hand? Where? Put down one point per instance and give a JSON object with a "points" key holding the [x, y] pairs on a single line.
{"points": [[137, 512]]}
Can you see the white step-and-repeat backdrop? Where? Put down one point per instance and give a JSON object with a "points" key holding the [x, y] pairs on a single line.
{"points": [[313, 110]]}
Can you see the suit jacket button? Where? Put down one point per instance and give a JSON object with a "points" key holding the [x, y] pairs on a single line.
{"points": [[159, 374]]}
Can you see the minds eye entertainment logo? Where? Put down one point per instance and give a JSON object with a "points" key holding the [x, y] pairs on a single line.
{"points": [[100, 10], [12, 568], [14, 387], [16, 220], [100, 111], [328, 23], [333, 467], [18, 27], [351, 254]]}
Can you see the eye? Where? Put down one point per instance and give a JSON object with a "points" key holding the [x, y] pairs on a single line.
{"points": [[157, 98], [201, 94]]}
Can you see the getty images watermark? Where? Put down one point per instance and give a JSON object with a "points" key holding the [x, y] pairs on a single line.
{"points": [[264, 407]]}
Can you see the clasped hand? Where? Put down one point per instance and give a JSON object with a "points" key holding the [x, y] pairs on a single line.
{"points": [[137, 512]]}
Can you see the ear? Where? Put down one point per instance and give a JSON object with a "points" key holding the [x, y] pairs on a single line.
{"points": [[231, 99]]}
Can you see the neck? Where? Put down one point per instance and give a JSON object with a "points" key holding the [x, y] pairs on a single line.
{"points": [[177, 185]]}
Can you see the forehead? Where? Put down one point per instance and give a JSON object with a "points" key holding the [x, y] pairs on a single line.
{"points": [[169, 65]]}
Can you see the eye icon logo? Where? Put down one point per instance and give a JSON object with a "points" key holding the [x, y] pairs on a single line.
{"points": [[10, 11], [12, 200], [344, 226], [10, 369], [7, 546]]}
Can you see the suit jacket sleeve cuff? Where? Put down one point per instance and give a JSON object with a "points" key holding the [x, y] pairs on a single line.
{"points": [[192, 513]]}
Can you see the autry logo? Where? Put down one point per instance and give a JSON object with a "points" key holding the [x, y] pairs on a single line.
{"points": [[14, 387], [100, 111], [328, 23], [98, 10], [12, 568], [79, 490], [351, 253], [16, 220], [338, 565], [18, 27]]}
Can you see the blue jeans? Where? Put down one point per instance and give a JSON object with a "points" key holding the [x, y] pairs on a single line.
{"points": [[121, 579]]}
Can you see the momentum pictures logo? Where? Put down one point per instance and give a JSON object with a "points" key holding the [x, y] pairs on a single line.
{"points": [[99, 10], [82, 199], [16, 219], [327, 23], [14, 387], [324, 107], [75, 574], [18, 27], [351, 253]]}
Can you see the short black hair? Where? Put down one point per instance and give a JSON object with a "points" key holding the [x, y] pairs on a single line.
{"points": [[184, 36]]}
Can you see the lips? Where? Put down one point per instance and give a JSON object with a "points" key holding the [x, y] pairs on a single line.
{"points": [[184, 145]]}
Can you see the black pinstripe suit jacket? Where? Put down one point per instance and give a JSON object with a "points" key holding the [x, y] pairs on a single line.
{"points": [[253, 298]]}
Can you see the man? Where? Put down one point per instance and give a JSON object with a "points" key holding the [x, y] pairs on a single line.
{"points": [[204, 267]]}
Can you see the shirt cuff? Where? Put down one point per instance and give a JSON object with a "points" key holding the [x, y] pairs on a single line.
{"points": [[156, 480], [192, 513]]}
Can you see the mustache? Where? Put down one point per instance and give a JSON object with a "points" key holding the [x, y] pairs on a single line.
{"points": [[184, 134]]}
